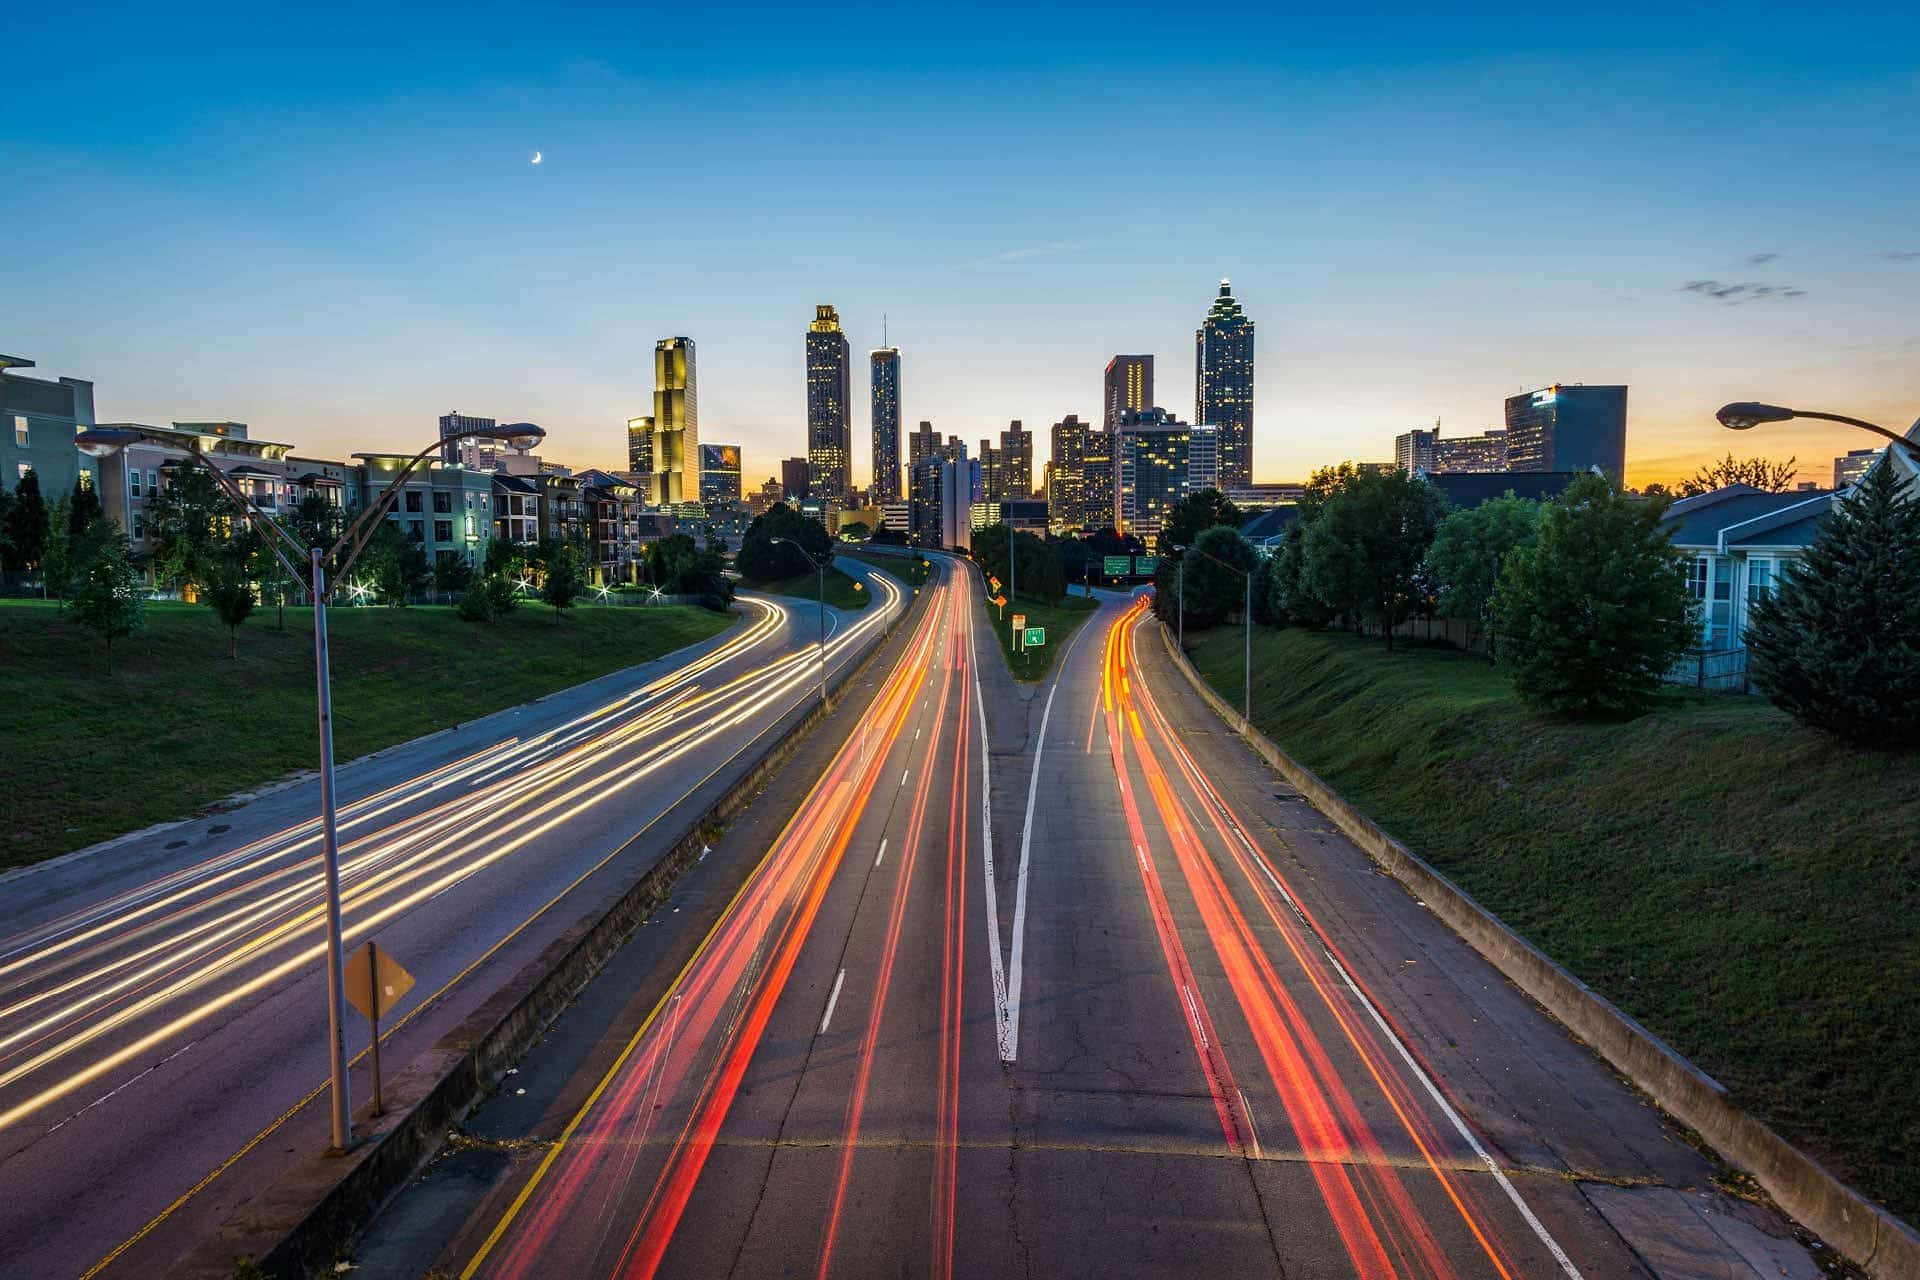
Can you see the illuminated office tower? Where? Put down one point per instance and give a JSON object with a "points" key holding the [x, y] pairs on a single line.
{"points": [[1223, 385], [1568, 427], [1016, 464], [640, 455], [829, 426], [1127, 387], [886, 426], [1151, 470], [719, 473], [674, 433], [1066, 477]]}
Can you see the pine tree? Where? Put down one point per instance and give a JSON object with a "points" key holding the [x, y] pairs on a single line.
{"points": [[1838, 645], [83, 507], [27, 522]]}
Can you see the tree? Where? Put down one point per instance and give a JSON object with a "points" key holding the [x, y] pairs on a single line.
{"points": [[503, 559], [680, 567], [83, 505], [229, 590], [855, 531], [27, 522], [1470, 545], [1762, 473], [503, 594], [563, 579], [1838, 644], [1039, 576], [316, 522], [1213, 591], [189, 518], [475, 603], [760, 559], [56, 565], [397, 564], [7, 503], [885, 537], [1364, 552], [1594, 613], [1194, 514], [104, 595], [452, 573]]}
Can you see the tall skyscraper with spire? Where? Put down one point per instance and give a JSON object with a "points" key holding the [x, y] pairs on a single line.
{"points": [[1223, 385], [886, 425], [829, 420]]}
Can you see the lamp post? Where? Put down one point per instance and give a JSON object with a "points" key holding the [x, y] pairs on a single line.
{"points": [[1246, 614], [820, 567], [1744, 415], [102, 442]]}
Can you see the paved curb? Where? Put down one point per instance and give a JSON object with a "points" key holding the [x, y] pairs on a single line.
{"points": [[1888, 1248], [299, 1225]]}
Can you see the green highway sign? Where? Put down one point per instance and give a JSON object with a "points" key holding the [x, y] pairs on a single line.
{"points": [[1145, 564], [1119, 566], [1036, 636]]}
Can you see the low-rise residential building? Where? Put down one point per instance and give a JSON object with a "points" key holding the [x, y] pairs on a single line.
{"points": [[516, 509], [613, 506], [447, 509], [1738, 541], [38, 421], [130, 478]]}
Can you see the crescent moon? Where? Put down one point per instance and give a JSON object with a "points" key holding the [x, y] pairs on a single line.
{"points": [[536, 158]]}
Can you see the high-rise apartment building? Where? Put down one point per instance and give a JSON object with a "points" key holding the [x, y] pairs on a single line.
{"points": [[1203, 457], [1016, 464], [1223, 384], [922, 443], [796, 480], [1413, 450], [640, 454], [1851, 467], [480, 454], [829, 421], [1097, 510], [675, 431], [1066, 474], [719, 473], [1568, 427], [1151, 469], [1127, 386], [990, 483], [886, 425], [1484, 452]]}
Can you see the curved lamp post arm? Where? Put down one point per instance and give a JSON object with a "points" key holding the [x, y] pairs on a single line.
{"points": [[1745, 414], [1912, 448], [1245, 573], [354, 540]]}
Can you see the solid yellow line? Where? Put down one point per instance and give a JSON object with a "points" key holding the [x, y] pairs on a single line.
{"points": [[553, 1153]]}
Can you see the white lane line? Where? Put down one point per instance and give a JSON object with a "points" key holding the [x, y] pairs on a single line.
{"points": [[832, 1000], [995, 965], [903, 777], [916, 735], [1194, 1010], [1010, 1008], [881, 854], [1393, 1037], [1246, 1109]]}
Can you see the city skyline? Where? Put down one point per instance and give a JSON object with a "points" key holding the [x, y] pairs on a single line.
{"points": [[1627, 243]]}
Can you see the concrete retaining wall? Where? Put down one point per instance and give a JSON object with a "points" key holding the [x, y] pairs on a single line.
{"points": [[299, 1225], [1888, 1248]]}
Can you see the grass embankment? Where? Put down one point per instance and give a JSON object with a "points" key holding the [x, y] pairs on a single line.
{"points": [[179, 725], [1060, 620], [908, 569], [1747, 888], [842, 591]]}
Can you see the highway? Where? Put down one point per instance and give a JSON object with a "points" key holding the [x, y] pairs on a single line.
{"points": [[1060, 981], [162, 1011]]}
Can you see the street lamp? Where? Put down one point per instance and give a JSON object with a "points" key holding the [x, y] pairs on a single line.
{"points": [[1246, 690], [820, 567], [1744, 415], [102, 442]]}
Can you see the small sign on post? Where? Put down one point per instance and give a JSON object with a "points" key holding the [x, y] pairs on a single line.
{"points": [[375, 983], [1036, 636], [1019, 625]]}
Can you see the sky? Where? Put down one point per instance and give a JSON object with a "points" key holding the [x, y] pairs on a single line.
{"points": [[328, 225]]}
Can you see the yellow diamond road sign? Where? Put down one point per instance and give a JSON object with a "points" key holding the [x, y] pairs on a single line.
{"points": [[375, 981]]}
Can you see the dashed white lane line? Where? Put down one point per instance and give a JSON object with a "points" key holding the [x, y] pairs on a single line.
{"points": [[903, 776], [832, 1000], [881, 854]]}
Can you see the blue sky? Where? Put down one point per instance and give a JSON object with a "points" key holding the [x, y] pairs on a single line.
{"points": [[328, 226]]}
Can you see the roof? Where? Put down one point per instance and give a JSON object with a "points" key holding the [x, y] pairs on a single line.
{"points": [[1270, 523], [1741, 515], [514, 484], [1471, 488]]}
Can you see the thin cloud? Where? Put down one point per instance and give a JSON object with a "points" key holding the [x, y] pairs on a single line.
{"points": [[1035, 251], [1760, 259], [1745, 291], [1904, 255]]}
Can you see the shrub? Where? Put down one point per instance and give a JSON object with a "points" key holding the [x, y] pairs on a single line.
{"points": [[475, 604]]}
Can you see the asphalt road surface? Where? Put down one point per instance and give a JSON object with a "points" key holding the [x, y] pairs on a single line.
{"points": [[162, 1009], [1060, 981]]}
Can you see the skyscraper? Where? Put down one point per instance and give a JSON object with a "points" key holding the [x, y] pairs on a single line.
{"points": [[1223, 385], [886, 425], [671, 455], [1016, 464], [1568, 427], [1128, 385], [829, 424], [1097, 509], [795, 482], [922, 443], [1415, 450], [719, 473], [1066, 479], [1151, 470]]}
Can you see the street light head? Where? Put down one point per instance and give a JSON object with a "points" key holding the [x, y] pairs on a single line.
{"points": [[104, 442], [1744, 414], [788, 541]]}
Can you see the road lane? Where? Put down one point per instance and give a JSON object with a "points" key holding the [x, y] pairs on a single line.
{"points": [[1183, 1048], [159, 1008]]}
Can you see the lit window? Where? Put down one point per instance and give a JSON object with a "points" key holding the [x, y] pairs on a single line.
{"points": [[133, 484], [20, 431]]}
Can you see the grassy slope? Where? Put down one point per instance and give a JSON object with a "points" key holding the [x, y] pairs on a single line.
{"points": [[905, 568], [806, 586], [1747, 888], [179, 725], [1060, 620]]}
